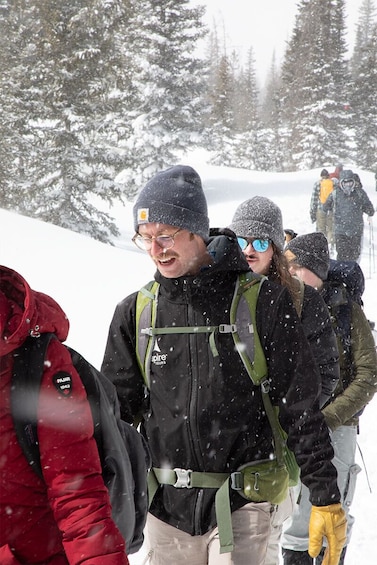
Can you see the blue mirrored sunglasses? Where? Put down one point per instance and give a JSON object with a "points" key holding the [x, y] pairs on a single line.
{"points": [[259, 245]]}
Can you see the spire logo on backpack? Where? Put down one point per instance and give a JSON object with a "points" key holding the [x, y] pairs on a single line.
{"points": [[158, 358]]}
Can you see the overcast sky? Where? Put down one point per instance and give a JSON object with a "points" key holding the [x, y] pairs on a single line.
{"points": [[263, 24]]}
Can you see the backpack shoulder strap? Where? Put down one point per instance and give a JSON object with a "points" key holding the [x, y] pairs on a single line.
{"points": [[146, 311], [249, 347], [243, 316], [341, 318], [28, 365], [89, 377]]}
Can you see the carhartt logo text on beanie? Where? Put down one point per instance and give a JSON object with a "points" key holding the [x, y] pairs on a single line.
{"points": [[143, 215]]}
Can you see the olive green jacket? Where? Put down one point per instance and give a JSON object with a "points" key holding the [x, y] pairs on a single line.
{"points": [[356, 387]]}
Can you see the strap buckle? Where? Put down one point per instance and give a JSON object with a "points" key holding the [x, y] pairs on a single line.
{"points": [[265, 386], [236, 480], [183, 478], [227, 328]]}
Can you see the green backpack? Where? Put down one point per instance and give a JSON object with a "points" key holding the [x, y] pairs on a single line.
{"points": [[258, 481]]}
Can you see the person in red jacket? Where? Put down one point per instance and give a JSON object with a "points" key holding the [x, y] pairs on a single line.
{"points": [[66, 517], [336, 173]]}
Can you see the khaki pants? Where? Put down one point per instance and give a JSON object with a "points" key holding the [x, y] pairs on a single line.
{"points": [[166, 545], [282, 512], [325, 225]]}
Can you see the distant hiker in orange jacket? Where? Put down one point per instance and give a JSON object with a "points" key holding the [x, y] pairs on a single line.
{"points": [[324, 220]]}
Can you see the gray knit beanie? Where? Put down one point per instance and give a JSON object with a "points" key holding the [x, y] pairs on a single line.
{"points": [[311, 251], [175, 197], [259, 217]]}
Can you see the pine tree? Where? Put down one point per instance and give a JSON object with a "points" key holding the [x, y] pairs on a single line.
{"points": [[364, 33], [247, 148], [17, 140], [67, 82], [246, 96], [316, 85], [273, 131], [364, 103], [270, 107], [213, 54], [233, 96], [219, 93], [169, 81], [222, 124]]}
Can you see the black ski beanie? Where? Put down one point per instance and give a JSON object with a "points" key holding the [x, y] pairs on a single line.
{"points": [[175, 197], [259, 217], [311, 251]]}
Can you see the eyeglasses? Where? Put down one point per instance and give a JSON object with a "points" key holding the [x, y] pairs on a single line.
{"points": [[260, 245], [163, 241]]}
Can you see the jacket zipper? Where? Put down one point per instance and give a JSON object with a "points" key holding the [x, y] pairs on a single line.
{"points": [[193, 409]]}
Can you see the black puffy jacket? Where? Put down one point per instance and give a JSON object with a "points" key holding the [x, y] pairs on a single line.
{"points": [[316, 323], [203, 413]]}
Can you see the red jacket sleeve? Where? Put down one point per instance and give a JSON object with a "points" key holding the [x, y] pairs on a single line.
{"points": [[7, 557], [71, 466]]}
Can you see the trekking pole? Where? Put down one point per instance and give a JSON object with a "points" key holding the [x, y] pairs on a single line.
{"points": [[365, 467]]}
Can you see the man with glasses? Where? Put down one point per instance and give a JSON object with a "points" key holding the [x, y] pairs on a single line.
{"points": [[201, 415], [349, 202]]}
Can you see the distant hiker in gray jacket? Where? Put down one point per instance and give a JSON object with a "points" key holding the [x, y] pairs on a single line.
{"points": [[348, 202]]}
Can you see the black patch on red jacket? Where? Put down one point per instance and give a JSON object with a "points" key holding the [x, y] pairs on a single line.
{"points": [[63, 383]]}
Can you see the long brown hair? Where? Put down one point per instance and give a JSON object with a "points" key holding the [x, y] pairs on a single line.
{"points": [[279, 273]]}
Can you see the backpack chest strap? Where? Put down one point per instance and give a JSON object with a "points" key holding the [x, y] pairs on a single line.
{"points": [[222, 328], [212, 330]]}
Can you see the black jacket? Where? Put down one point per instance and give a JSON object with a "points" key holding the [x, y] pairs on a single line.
{"points": [[316, 323], [203, 413]]}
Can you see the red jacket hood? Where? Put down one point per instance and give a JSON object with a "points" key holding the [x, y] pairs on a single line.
{"points": [[25, 312]]}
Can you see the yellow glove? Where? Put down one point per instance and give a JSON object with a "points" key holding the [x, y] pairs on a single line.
{"points": [[329, 522]]}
